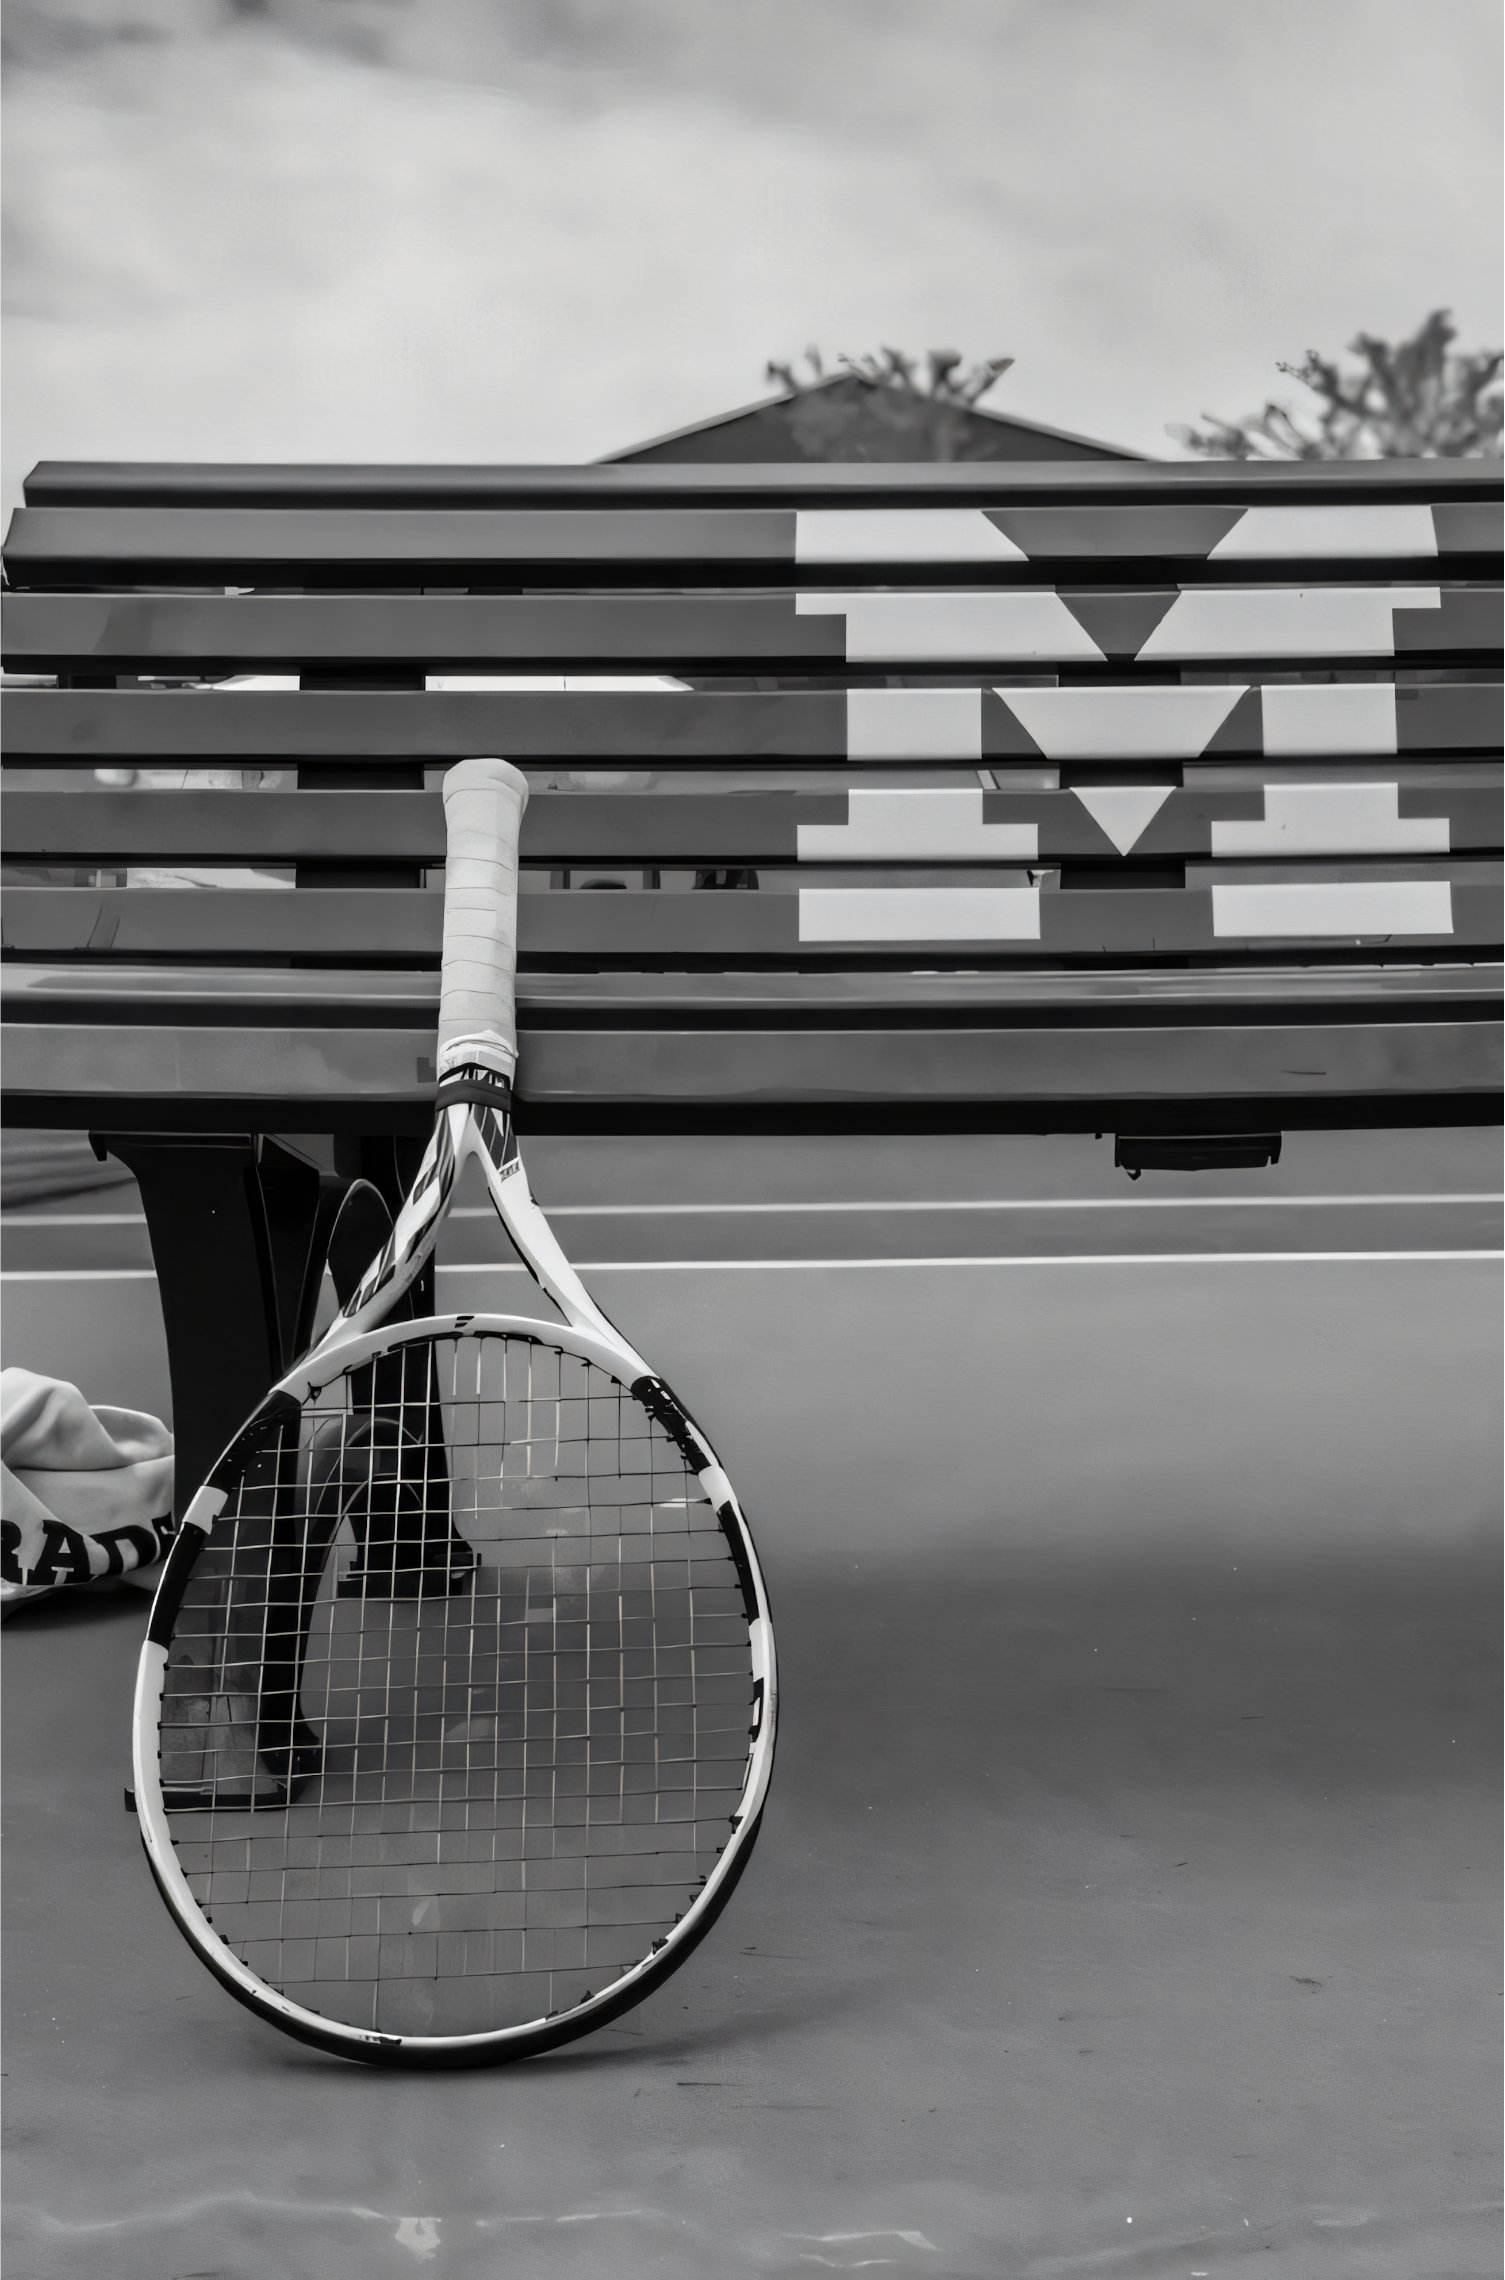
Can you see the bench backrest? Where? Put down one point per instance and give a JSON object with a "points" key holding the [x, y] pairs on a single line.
{"points": [[1081, 752]]}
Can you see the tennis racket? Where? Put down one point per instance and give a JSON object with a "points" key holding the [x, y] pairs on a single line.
{"points": [[455, 1717]]}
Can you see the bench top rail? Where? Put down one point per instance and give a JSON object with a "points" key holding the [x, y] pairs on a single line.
{"points": [[132, 483]]}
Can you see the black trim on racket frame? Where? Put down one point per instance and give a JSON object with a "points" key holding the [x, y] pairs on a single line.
{"points": [[167, 1600], [660, 1403], [406, 2051]]}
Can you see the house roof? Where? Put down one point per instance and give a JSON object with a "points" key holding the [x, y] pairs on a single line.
{"points": [[847, 419]]}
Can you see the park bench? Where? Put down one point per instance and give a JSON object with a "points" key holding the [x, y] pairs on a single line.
{"points": [[1153, 800]]}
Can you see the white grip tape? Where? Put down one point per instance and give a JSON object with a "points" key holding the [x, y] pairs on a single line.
{"points": [[483, 813]]}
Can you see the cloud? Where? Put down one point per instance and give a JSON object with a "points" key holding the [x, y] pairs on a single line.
{"points": [[348, 229]]}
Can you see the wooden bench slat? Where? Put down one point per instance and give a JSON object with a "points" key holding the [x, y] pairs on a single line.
{"points": [[363, 1065], [872, 1064], [655, 829], [318, 1072], [55, 546], [108, 725], [129, 922], [364, 827], [121, 544], [204, 827], [111, 990], [1468, 717], [392, 924], [317, 632], [67, 633]]}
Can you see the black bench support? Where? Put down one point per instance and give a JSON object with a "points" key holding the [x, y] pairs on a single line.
{"points": [[207, 1218], [241, 1228]]}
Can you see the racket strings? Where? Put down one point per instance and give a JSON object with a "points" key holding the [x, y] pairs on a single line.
{"points": [[457, 1707]]}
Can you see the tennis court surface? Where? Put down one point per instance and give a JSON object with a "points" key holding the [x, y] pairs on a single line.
{"points": [[1128, 1893]]}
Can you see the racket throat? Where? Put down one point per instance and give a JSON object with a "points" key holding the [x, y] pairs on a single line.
{"points": [[536, 1244], [380, 1293]]}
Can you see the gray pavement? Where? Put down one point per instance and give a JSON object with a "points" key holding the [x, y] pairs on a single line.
{"points": [[1128, 1897]]}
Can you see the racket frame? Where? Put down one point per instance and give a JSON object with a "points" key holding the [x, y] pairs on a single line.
{"points": [[474, 1121]]}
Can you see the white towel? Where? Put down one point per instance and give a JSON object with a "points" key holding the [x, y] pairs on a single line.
{"points": [[86, 1491]]}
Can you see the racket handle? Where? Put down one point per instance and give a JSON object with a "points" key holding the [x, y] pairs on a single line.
{"points": [[483, 813]]}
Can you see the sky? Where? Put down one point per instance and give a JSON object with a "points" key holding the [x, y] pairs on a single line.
{"points": [[497, 230]]}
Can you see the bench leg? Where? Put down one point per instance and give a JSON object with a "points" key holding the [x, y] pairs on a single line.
{"points": [[236, 1221], [214, 1256]]}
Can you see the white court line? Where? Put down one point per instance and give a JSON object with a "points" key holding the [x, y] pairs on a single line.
{"points": [[799, 1266], [976, 1203], [984, 1203], [78, 1274], [943, 1259], [74, 1219]]}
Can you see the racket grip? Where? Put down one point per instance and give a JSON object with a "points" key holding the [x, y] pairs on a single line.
{"points": [[483, 813]]}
